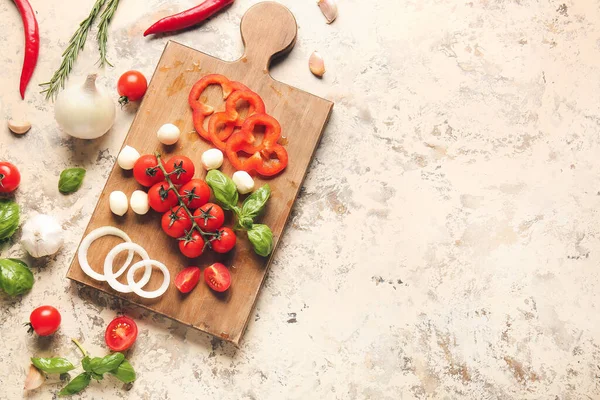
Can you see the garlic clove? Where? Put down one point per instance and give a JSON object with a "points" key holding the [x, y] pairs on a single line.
{"points": [[127, 157], [118, 202], [139, 202], [34, 378], [243, 181], [212, 159], [329, 9], [18, 127], [168, 134], [316, 64]]}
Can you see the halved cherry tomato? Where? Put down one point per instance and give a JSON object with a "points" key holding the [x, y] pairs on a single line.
{"points": [[161, 198], [131, 86], [44, 320], [121, 333], [217, 277], [187, 279], [9, 177], [195, 193], [193, 246], [180, 169], [209, 217], [225, 241], [146, 171], [176, 222]]}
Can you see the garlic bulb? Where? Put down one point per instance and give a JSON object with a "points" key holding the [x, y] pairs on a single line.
{"points": [[316, 64], [329, 9], [127, 157], [85, 112], [42, 236]]}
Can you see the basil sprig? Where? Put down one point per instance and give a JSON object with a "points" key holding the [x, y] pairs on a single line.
{"points": [[15, 277], [225, 193], [9, 218], [54, 365], [93, 367], [70, 180]]}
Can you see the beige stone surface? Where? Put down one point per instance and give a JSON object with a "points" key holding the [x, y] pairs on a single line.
{"points": [[445, 244]]}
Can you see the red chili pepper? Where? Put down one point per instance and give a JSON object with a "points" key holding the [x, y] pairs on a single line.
{"points": [[188, 18], [261, 158], [32, 43]]}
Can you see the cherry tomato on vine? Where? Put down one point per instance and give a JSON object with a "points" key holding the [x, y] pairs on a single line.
{"points": [[176, 223], [192, 247], [121, 333], [132, 86], [9, 177], [210, 217], [217, 276], [180, 169], [146, 171], [187, 279], [160, 198], [225, 241], [44, 320], [195, 193]]}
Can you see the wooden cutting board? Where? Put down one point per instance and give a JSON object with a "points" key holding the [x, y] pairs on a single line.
{"points": [[268, 30]]}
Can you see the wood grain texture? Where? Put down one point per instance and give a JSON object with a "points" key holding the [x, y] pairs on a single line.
{"points": [[268, 30]]}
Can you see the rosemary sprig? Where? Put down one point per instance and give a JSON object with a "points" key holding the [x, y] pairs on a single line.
{"points": [[76, 43], [102, 35]]}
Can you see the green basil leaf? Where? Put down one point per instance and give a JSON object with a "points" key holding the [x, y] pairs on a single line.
{"points": [[70, 180], [223, 189], [9, 218], [96, 376], [261, 238], [76, 385], [15, 277], [245, 222], [255, 203], [54, 365], [107, 363], [124, 372], [85, 363]]}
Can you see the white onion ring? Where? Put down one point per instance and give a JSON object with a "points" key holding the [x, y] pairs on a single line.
{"points": [[111, 276], [137, 287], [87, 242]]}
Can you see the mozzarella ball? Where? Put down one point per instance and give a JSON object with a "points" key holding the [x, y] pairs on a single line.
{"points": [[127, 157], [118, 202], [139, 202], [168, 134], [212, 159], [243, 181]]}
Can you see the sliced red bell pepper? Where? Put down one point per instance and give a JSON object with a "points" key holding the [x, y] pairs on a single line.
{"points": [[200, 86]]}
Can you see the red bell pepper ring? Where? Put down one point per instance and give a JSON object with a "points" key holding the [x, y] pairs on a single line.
{"points": [[261, 157], [231, 118], [200, 86], [32, 43]]}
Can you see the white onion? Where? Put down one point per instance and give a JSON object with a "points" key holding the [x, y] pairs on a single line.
{"points": [[168, 134], [85, 111], [42, 236], [243, 181], [127, 157], [139, 202], [89, 239], [212, 159], [111, 276], [118, 202], [137, 286]]}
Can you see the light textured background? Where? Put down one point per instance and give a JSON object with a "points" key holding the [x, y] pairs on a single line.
{"points": [[445, 244]]}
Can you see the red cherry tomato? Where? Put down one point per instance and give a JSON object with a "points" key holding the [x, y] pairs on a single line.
{"points": [[146, 171], [217, 277], [44, 320], [121, 333], [187, 279], [225, 241], [160, 198], [195, 193], [9, 177], [180, 169], [193, 247], [176, 223], [132, 86], [210, 217]]}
